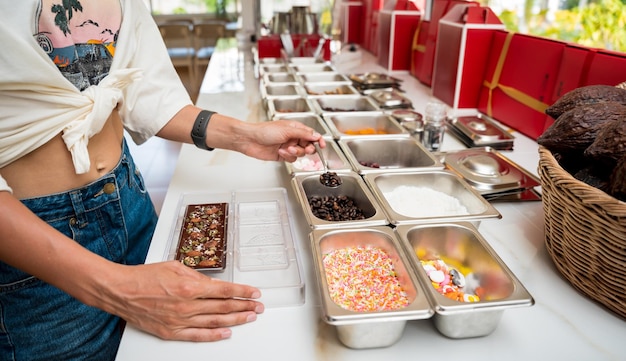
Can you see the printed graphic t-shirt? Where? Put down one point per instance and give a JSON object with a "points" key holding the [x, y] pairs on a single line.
{"points": [[80, 39]]}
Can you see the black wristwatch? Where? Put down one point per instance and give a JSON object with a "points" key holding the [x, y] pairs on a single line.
{"points": [[198, 132]]}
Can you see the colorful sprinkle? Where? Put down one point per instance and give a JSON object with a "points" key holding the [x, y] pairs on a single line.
{"points": [[363, 279]]}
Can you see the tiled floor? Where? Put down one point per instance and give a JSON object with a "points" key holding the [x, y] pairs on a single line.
{"points": [[157, 158]]}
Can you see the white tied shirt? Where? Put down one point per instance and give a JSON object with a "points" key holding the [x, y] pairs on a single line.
{"points": [[37, 102]]}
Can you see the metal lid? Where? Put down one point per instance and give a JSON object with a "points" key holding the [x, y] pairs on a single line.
{"points": [[390, 99], [488, 171], [406, 115]]}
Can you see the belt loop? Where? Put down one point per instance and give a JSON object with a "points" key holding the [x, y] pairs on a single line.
{"points": [[79, 208]]}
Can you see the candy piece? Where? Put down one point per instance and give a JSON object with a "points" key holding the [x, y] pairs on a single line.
{"points": [[451, 282], [457, 278], [437, 276]]}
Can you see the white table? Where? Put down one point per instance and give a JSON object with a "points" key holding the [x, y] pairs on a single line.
{"points": [[562, 325]]}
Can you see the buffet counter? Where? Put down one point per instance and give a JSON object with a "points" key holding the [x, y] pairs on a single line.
{"points": [[561, 325]]}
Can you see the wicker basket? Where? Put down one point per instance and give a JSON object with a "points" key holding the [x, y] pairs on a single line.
{"points": [[585, 234]]}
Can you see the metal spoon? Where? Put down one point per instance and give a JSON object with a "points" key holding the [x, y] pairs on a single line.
{"points": [[328, 179]]}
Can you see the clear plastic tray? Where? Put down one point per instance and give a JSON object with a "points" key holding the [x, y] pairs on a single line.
{"points": [[260, 250]]}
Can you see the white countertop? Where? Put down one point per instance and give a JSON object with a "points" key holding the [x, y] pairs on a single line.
{"points": [[562, 325]]}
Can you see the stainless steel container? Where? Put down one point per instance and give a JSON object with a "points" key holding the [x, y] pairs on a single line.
{"points": [[368, 124], [334, 105], [280, 78], [310, 120], [288, 106], [378, 155], [428, 197], [313, 68], [273, 91], [326, 77], [462, 247], [301, 60], [271, 61], [337, 162], [274, 68], [314, 90], [353, 187], [373, 329]]}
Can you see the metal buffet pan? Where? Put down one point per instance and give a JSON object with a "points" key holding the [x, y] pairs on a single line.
{"points": [[280, 78], [428, 197], [311, 163], [313, 90], [477, 268], [310, 120], [351, 197], [362, 329], [370, 124], [273, 68], [284, 106], [326, 77], [379, 155], [271, 91], [313, 68], [333, 105]]}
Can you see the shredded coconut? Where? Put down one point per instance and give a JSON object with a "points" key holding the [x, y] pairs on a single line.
{"points": [[419, 202]]}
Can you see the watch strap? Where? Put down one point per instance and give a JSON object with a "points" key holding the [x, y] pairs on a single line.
{"points": [[198, 132]]}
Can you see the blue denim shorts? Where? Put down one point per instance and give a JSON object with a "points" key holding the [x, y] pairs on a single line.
{"points": [[113, 217]]}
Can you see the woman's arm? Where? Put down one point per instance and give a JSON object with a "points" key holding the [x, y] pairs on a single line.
{"points": [[282, 140], [166, 299]]}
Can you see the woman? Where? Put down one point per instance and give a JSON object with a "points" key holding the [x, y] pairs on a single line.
{"points": [[75, 219]]}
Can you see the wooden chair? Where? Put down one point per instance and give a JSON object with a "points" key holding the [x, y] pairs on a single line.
{"points": [[178, 38], [206, 34]]}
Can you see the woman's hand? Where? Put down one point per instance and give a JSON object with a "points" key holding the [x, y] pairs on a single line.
{"points": [[280, 140], [174, 302]]}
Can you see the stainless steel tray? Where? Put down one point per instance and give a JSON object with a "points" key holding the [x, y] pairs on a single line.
{"points": [[310, 120], [364, 124], [326, 77], [337, 161], [379, 155], [278, 107], [280, 78], [313, 68], [462, 246], [362, 330], [334, 105], [443, 183], [313, 90], [308, 185], [274, 90]]}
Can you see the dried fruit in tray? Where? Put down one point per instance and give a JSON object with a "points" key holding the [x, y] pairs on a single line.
{"points": [[202, 242]]}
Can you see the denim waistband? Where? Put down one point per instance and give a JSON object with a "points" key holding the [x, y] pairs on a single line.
{"points": [[59, 205]]}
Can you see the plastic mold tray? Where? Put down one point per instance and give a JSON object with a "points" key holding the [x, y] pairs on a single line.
{"points": [[260, 250]]}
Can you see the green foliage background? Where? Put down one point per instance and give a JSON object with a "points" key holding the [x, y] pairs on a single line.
{"points": [[599, 24]]}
